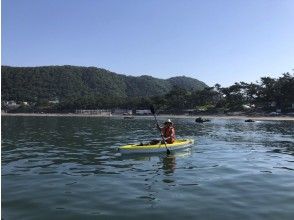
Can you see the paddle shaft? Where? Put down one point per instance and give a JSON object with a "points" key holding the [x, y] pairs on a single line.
{"points": [[167, 150]]}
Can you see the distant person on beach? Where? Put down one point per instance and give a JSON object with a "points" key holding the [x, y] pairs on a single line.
{"points": [[168, 132]]}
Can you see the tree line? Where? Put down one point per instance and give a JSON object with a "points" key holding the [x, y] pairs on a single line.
{"points": [[268, 94]]}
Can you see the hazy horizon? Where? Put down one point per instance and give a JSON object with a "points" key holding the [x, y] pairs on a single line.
{"points": [[213, 41]]}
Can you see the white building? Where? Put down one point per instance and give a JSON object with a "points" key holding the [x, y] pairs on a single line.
{"points": [[119, 111], [56, 101], [101, 112], [11, 105], [143, 112]]}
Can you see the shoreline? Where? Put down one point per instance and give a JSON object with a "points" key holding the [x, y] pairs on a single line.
{"points": [[244, 117]]}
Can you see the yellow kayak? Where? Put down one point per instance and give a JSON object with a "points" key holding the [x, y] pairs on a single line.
{"points": [[137, 148]]}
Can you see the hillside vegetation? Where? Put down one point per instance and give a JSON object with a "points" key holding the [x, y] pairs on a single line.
{"points": [[67, 88], [72, 82]]}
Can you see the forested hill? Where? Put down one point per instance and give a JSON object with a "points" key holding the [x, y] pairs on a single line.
{"points": [[62, 82]]}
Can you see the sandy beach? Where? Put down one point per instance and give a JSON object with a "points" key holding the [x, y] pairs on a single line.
{"points": [[256, 118]]}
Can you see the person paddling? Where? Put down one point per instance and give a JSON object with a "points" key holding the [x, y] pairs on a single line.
{"points": [[168, 132]]}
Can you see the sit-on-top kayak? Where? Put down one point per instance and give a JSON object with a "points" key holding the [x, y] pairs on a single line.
{"points": [[137, 148]]}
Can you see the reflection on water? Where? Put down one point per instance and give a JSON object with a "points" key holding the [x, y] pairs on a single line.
{"points": [[70, 168], [169, 164]]}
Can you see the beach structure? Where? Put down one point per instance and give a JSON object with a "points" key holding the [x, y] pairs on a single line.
{"points": [[55, 101], [143, 112], [11, 105], [119, 111], [101, 112]]}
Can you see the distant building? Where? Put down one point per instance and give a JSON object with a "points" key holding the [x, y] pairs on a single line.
{"points": [[56, 101], [101, 112], [11, 105], [119, 111], [128, 112], [248, 106], [189, 111], [143, 112]]}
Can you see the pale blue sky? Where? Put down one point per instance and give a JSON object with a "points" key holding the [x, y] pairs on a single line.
{"points": [[216, 41]]}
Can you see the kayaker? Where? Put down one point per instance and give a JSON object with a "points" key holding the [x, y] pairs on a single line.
{"points": [[168, 132]]}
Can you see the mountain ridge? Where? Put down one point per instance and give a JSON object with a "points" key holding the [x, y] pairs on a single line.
{"points": [[66, 81]]}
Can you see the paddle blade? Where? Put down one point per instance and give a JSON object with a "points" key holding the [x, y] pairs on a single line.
{"points": [[152, 109]]}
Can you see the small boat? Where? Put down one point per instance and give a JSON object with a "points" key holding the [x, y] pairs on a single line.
{"points": [[201, 120], [129, 117], [249, 120], [155, 148]]}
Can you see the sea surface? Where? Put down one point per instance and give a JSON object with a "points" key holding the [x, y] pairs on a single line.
{"points": [[69, 168]]}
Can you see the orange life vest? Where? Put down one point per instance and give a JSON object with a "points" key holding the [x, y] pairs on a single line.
{"points": [[169, 134]]}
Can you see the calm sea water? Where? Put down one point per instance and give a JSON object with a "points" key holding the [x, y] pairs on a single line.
{"points": [[68, 168]]}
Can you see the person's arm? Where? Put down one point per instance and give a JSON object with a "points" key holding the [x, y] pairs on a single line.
{"points": [[173, 134]]}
